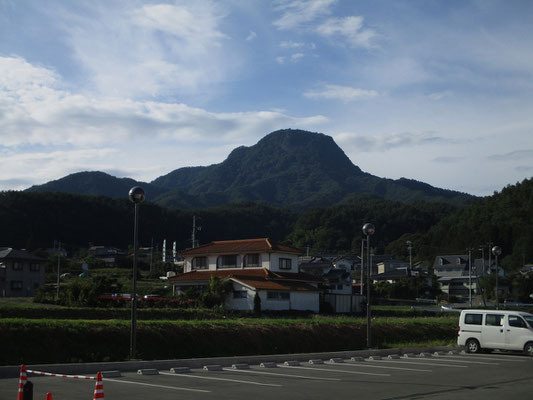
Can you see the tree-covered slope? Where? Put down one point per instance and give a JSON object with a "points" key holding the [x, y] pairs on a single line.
{"points": [[504, 219], [289, 168], [292, 168], [95, 183]]}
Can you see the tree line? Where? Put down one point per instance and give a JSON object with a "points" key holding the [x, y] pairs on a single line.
{"points": [[35, 220]]}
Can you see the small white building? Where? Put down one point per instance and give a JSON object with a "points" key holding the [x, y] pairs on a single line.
{"points": [[260, 266]]}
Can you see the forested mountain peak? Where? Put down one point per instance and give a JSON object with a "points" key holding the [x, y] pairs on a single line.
{"points": [[288, 167]]}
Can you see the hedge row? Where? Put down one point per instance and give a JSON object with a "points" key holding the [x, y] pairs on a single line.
{"points": [[172, 313], [59, 341], [108, 313]]}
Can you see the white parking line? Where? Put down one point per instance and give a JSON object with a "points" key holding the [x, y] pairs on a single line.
{"points": [[335, 370], [159, 386], [366, 365], [461, 361], [283, 375], [220, 379], [503, 357], [417, 363]]}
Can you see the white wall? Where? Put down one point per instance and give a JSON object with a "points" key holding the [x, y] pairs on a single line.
{"points": [[305, 301]]}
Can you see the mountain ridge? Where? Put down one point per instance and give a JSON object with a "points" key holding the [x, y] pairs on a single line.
{"points": [[290, 168]]}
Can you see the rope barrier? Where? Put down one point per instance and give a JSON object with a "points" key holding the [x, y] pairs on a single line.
{"points": [[59, 375]]}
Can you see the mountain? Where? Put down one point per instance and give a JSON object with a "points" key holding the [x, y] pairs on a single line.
{"points": [[290, 168], [95, 183]]}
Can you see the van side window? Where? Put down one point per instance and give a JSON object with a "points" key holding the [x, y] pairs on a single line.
{"points": [[516, 321], [473, 319], [494, 320]]}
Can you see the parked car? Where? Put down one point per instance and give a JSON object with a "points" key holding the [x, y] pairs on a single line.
{"points": [[486, 330]]}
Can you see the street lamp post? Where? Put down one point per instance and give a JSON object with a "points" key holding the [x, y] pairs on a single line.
{"points": [[497, 250], [137, 196], [368, 230]]}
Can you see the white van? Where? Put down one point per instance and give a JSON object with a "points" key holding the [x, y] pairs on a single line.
{"points": [[494, 329]]}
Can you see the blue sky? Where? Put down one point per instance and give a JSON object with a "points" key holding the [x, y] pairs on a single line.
{"points": [[438, 91]]}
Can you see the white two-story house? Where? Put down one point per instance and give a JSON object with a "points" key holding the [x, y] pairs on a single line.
{"points": [[260, 266]]}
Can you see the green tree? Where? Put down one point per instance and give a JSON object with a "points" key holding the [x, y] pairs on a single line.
{"points": [[216, 292]]}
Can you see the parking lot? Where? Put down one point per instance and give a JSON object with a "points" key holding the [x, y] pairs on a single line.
{"points": [[441, 375]]}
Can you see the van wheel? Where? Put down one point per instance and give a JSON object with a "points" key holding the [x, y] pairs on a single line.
{"points": [[528, 348], [472, 346]]}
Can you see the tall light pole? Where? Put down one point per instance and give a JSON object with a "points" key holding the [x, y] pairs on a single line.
{"points": [[496, 250], [368, 230], [137, 196], [362, 265]]}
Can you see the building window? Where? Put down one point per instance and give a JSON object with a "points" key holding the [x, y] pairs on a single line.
{"points": [[251, 261], [16, 285], [278, 295], [227, 261], [240, 294], [35, 267], [17, 266], [285, 263], [199, 263], [339, 287]]}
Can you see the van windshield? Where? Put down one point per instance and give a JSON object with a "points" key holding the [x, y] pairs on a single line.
{"points": [[529, 319]]}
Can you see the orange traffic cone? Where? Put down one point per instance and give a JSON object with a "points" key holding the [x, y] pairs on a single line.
{"points": [[99, 387], [22, 381], [49, 396]]}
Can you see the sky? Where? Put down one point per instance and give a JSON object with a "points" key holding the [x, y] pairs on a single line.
{"points": [[437, 91]]}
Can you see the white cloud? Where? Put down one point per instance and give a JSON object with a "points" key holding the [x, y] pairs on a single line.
{"points": [[296, 57], [154, 50], [369, 143], [298, 13], [440, 95], [351, 29], [344, 93], [289, 44], [251, 36], [526, 154], [196, 26], [102, 133]]}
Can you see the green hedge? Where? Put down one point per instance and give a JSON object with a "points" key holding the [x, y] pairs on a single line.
{"points": [[108, 313], [59, 312], [58, 341]]}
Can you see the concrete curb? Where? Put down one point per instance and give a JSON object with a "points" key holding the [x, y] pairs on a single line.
{"points": [[13, 371]]}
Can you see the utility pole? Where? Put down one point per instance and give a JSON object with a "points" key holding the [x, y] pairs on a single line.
{"points": [[151, 253], [470, 276], [58, 268], [194, 229]]}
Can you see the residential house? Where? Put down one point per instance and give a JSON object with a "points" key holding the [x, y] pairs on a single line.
{"points": [[335, 272], [20, 273], [456, 276], [108, 256], [254, 266], [335, 275], [392, 264]]}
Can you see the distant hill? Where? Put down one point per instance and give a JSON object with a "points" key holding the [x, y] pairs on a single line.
{"points": [[289, 168], [96, 183]]}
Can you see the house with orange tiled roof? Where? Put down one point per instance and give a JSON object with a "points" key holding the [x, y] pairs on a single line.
{"points": [[254, 266]]}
